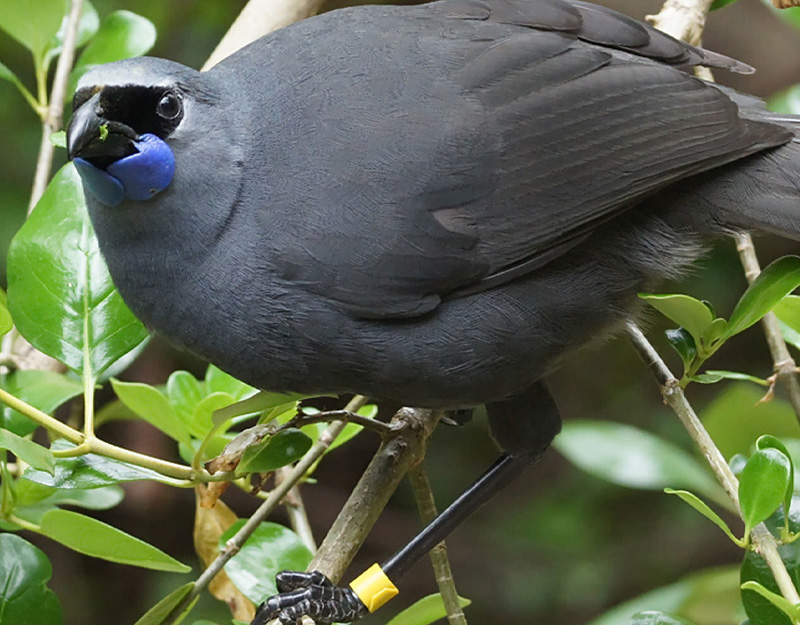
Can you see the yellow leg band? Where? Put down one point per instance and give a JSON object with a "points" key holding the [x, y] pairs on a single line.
{"points": [[373, 587]]}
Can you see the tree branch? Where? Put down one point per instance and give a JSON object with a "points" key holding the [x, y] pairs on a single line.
{"points": [[674, 396], [783, 363]]}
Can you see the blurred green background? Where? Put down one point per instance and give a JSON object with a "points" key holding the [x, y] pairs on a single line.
{"points": [[559, 546]]}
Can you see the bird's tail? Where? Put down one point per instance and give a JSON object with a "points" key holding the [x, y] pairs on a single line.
{"points": [[760, 192]]}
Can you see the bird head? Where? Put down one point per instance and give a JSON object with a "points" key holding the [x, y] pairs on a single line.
{"points": [[126, 119]]}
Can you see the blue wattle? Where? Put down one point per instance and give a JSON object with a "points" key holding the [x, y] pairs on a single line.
{"points": [[105, 188], [146, 173], [136, 177]]}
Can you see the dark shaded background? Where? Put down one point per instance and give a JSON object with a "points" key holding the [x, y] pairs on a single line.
{"points": [[559, 547]]}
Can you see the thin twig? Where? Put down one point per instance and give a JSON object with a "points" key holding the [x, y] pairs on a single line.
{"points": [[783, 363], [339, 415], [674, 396], [296, 510], [55, 107], [264, 510], [439, 559]]}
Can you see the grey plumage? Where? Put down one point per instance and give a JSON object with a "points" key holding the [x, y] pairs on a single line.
{"points": [[432, 204]]}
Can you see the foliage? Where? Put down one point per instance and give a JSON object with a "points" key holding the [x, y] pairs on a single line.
{"points": [[61, 299]]}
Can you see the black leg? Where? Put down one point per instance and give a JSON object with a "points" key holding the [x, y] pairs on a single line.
{"points": [[523, 426]]}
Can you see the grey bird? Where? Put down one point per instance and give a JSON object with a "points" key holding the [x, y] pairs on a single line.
{"points": [[428, 204]]}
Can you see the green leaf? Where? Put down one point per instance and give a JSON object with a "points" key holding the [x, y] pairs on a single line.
{"points": [[698, 504], [59, 139], [100, 540], [625, 455], [773, 284], [160, 611], [122, 35], [6, 323], [27, 493], [657, 618], [271, 548], [33, 23], [718, 4], [153, 406], [683, 343], [788, 311], [217, 381], [34, 454], [262, 401], [59, 291], [710, 593], [90, 471], [87, 27], [788, 100], [24, 595], [425, 611], [45, 390], [780, 602], [203, 417], [274, 452], [770, 442], [759, 609], [735, 420], [686, 311], [763, 485], [714, 376]]}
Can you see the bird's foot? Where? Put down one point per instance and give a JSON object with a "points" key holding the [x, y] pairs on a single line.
{"points": [[309, 594]]}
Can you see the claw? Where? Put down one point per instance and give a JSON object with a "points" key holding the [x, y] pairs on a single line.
{"points": [[309, 594]]}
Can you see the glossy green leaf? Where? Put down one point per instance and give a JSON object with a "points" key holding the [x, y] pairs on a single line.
{"points": [[718, 4], [625, 455], [657, 618], [263, 401], [425, 611], [790, 335], [90, 471], [121, 35], [6, 323], [763, 485], [683, 343], [59, 290], [788, 311], [759, 609], [203, 417], [33, 23], [780, 602], [270, 549], [24, 595], [686, 311], [27, 493], [217, 381], [712, 376], [153, 406], [160, 611], [32, 453], [87, 28], [274, 452], [698, 504], [45, 390], [100, 540], [184, 391], [770, 442], [773, 284]]}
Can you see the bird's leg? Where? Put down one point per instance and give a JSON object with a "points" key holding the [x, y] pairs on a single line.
{"points": [[523, 425]]}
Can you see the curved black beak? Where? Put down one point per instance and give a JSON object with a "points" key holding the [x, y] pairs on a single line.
{"points": [[92, 137]]}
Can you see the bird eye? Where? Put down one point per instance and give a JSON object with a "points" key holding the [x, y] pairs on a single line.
{"points": [[169, 106]]}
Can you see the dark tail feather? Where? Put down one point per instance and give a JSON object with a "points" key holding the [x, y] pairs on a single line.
{"points": [[760, 192]]}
